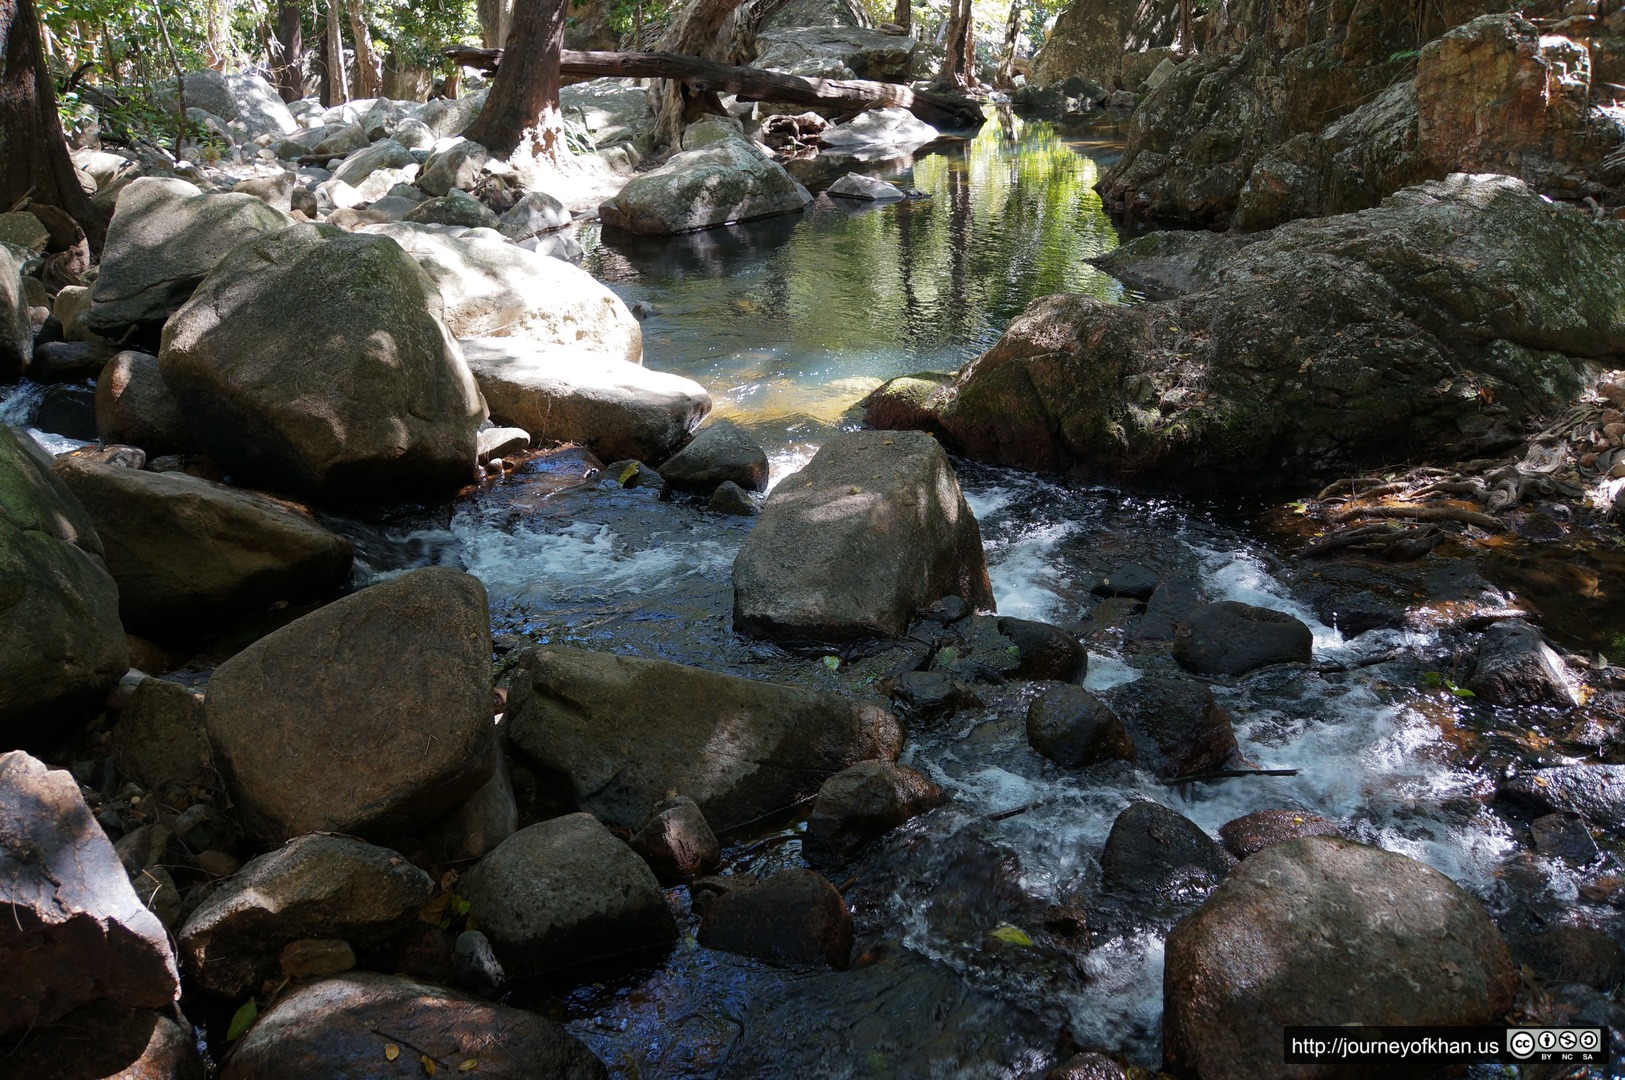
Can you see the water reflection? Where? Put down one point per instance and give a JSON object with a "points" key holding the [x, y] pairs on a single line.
{"points": [[817, 308]]}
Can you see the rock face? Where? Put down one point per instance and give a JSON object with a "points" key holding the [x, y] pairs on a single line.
{"points": [[74, 930], [332, 1028], [624, 731], [105, 1040], [333, 374], [794, 917], [371, 715], [616, 409], [164, 237], [860, 803], [494, 289], [135, 407], [1231, 638], [61, 645], [1297, 117], [729, 180], [1091, 36], [563, 892], [313, 887], [1345, 340], [186, 553], [873, 529], [16, 329], [835, 52], [1324, 931]]}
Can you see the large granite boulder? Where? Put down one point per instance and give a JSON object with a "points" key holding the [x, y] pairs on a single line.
{"points": [[621, 732], [363, 1025], [164, 237], [61, 646], [187, 553], [564, 892], [878, 133], [615, 408], [371, 715], [328, 887], [316, 362], [16, 328], [726, 181], [384, 154], [1322, 930], [1090, 37], [835, 52], [873, 529], [74, 930], [1368, 337], [493, 288], [260, 109], [613, 111], [134, 407]]}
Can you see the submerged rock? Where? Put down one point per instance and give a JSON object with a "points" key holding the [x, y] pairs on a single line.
{"points": [[1595, 792], [873, 529], [371, 715], [1252, 833], [729, 180], [1178, 727], [343, 1027], [1154, 852], [1324, 931], [1073, 728], [794, 918], [623, 731], [1350, 339]]}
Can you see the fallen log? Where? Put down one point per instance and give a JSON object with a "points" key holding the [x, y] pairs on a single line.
{"points": [[751, 84]]}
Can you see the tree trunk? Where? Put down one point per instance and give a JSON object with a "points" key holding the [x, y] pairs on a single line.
{"points": [[523, 106], [903, 15], [369, 79], [496, 21], [289, 68], [708, 29], [335, 85], [35, 152], [1006, 77], [750, 84], [958, 72], [1187, 35]]}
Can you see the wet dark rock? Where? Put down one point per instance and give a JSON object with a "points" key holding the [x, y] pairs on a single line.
{"points": [[134, 406], [974, 651], [1073, 728], [1564, 836], [371, 715], [1355, 598], [102, 1041], [947, 610], [1172, 602], [16, 328], [677, 843], [563, 892], [720, 451], [61, 646], [860, 803], [794, 918], [1572, 954], [396, 411], [1154, 852], [201, 827], [871, 530], [1515, 666], [921, 1015], [730, 498], [1132, 580], [341, 1027], [475, 964], [630, 475], [738, 747], [1178, 727], [315, 958], [73, 930], [313, 887], [1093, 1066], [1252, 833], [1594, 792], [160, 739], [497, 442], [1231, 638], [187, 553], [925, 695], [477, 825], [70, 361], [1045, 651], [1322, 930], [68, 410]]}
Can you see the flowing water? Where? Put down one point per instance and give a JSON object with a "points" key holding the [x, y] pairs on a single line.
{"points": [[789, 322]]}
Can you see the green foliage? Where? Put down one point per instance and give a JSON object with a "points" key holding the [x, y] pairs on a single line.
{"points": [[242, 1020], [1435, 680], [414, 31]]}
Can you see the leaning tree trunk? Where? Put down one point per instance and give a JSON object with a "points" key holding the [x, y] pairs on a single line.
{"points": [[336, 86], [958, 72], [368, 78], [289, 68], [522, 109], [708, 29], [36, 167], [496, 21], [903, 15], [1006, 77]]}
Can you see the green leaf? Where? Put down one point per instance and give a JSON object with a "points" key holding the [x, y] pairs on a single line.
{"points": [[460, 906], [243, 1019], [1461, 691], [832, 662], [1011, 935], [628, 473]]}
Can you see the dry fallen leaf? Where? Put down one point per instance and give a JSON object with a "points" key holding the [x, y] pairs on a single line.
{"points": [[429, 1066], [391, 1051], [468, 1065]]}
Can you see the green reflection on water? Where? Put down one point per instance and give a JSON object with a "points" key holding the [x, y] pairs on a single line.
{"points": [[790, 321]]}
